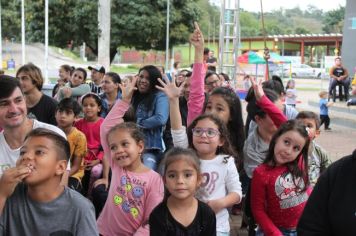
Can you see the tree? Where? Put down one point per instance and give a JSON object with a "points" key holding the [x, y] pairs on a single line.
{"points": [[334, 20]]}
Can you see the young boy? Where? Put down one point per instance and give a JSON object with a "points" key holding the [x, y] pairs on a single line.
{"points": [[324, 109], [32, 200], [66, 113], [318, 158]]}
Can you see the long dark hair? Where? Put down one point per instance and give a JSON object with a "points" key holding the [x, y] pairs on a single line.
{"points": [[294, 166], [235, 125], [147, 98], [224, 135]]}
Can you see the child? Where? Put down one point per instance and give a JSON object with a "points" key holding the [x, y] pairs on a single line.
{"points": [[64, 73], [278, 189], [32, 200], [76, 86], [318, 159], [352, 101], [291, 93], [222, 101], [66, 113], [181, 213], [134, 190], [324, 109], [90, 126]]}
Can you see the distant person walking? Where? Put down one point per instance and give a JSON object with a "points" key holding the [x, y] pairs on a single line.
{"points": [[324, 110]]}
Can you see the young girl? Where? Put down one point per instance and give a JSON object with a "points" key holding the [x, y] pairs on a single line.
{"points": [[111, 92], [279, 185], [90, 126], [221, 102], [76, 86], [291, 93], [64, 72], [181, 213], [134, 190]]}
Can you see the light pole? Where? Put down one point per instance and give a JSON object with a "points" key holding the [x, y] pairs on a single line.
{"points": [[167, 36], [46, 42], [0, 40], [23, 30]]}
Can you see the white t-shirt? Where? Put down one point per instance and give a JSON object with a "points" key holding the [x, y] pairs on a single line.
{"points": [[220, 178], [8, 156]]}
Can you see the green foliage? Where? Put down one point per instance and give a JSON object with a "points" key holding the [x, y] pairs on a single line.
{"points": [[334, 20]]}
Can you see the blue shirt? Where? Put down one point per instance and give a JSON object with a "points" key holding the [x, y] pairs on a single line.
{"points": [[324, 110]]}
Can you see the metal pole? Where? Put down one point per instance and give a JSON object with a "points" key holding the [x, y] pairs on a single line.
{"points": [[46, 42], [167, 37], [0, 40], [23, 30]]}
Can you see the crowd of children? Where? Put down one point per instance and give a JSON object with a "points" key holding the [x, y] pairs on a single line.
{"points": [[108, 170]]}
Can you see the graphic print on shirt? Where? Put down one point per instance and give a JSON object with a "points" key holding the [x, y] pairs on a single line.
{"points": [[208, 181], [287, 192], [129, 195]]}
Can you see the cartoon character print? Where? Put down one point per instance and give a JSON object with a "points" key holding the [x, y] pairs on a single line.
{"points": [[129, 195], [287, 191], [137, 192]]}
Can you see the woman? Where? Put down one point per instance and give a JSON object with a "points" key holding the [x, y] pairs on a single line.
{"points": [[111, 92], [151, 109]]}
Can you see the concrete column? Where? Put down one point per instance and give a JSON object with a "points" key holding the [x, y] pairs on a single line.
{"points": [[302, 51], [104, 33], [349, 37]]}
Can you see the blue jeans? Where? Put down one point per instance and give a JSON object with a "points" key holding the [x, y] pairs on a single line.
{"points": [[285, 232], [151, 158]]}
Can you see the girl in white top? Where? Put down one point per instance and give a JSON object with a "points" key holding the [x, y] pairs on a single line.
{"points": [[208, 136]]}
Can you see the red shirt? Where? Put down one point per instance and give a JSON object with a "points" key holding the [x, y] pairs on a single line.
{"points": [[275, 201], [92, 133]]}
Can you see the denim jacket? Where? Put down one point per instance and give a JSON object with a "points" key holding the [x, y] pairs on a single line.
{"points": [[153, 121], [104, 104]]}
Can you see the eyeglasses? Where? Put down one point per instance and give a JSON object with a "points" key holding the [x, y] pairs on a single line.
{"points": [[210, 132]]}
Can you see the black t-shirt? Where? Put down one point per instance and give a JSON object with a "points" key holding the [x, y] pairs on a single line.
{"points": [[44, 110], [211, 60], [162, 222], [339, 71]]}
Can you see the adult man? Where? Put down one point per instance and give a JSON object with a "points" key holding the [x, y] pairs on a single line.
{"points": [[212, 61], [339, 75], [212, 80], [40, 106], [14, 121], [97, 74]]}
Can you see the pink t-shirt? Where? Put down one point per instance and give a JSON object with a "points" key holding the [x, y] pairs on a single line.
{"points": [[131, 199], [92, 133]]}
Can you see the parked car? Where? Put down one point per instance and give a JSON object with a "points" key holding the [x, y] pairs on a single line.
{"points": [[300, 71]]}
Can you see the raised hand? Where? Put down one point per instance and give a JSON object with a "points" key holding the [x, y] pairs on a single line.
{"points": [[67, 92], [128, 89], [197, 38], [257, 88], [170, 88]]}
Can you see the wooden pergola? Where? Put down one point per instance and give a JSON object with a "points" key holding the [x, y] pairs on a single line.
{"points": [[304, 40]]}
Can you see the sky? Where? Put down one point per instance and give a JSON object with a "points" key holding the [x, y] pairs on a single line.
{"points": [[268, 5]]}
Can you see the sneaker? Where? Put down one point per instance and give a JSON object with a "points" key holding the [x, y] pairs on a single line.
{"points": [[348, 103], [327, 129]]}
